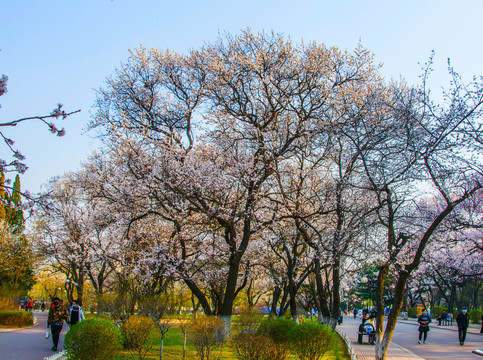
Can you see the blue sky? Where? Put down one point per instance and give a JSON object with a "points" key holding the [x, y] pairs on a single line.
{"points": [[61, 51]]}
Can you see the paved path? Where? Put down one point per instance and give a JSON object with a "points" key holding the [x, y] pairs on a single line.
{"points": [[28, 344], [442, 342], [366, 351]]}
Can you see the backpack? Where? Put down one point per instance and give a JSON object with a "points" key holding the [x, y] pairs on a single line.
{"points": [[74, 315]]}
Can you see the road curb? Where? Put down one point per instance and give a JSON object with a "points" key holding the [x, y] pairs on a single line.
{"points": [[58, 356], [36, 323], [347, 341]]}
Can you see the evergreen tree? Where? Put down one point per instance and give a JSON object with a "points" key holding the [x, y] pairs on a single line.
{"points": [[16, 258], [11, 205], [16, 219], [3, 197]]}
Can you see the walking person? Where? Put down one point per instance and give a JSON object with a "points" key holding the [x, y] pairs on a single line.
{"points": [[423, 321], [76, 314], [55, 320], [463, 320], [481, 331]]}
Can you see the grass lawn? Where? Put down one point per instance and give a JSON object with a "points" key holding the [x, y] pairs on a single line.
{"points": [[173, 349]]}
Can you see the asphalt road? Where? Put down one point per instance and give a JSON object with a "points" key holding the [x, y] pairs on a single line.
{"points": [[29, 344], [442, 342]]}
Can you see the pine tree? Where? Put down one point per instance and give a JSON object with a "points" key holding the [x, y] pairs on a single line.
{"points": [[16, 219], [3, 197]]}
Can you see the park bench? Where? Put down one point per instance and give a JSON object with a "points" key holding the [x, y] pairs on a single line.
{"points": [[371, 337], [447, 322], [366, 330]]}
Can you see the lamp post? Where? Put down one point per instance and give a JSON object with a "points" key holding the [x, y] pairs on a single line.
{"points": [[347, 298], [365, 280]]}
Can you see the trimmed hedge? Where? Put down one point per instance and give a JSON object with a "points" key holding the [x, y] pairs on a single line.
{"points": [[312, 341], [276, 329], [475, 316], [437, 311], [16, 318], [93, 339], [413, 312]]}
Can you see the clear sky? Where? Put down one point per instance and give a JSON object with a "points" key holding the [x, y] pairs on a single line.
{"points": [[61, 51]]}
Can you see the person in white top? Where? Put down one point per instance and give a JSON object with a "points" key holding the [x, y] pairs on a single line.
{"points": [[76, 314]]}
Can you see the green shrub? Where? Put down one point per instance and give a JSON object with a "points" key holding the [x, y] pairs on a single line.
{"points": [[276, 329], [475, 316], [311, 341], [413, 312], [93, 339], [252, 346], [16, 318], [437, 311], [139, 333]]}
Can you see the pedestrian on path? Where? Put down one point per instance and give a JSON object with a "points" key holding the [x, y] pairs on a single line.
{"points": [[481, 331], [76, 314], [423, 321], [55, 320], [463, 320]]}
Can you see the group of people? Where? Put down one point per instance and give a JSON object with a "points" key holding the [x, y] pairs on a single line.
{"points": [[58, 314], [463, 321]]}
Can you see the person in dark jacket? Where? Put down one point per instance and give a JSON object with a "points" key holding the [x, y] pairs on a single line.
{"points": [[463, 320], [423, 321], [443, 317], [55, 320], [76, 314], [481, 331]]}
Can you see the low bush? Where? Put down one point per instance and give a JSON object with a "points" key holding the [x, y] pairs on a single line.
{"points": [[204, 333], [16, 318], [311, 341], [93, 339], [139, 333], [252, 346], [475, 316], [276, 329], [436, 311], [413, 312]]}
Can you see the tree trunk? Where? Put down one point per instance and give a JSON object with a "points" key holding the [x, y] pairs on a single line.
{"points": [[335, 311], [382, 346], [292, 299], [276, 295], [161, 348], [226, 330], [324, 312]]}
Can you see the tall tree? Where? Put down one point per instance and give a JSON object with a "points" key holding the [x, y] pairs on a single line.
{"points": [[251, 100], [422, 149]]}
